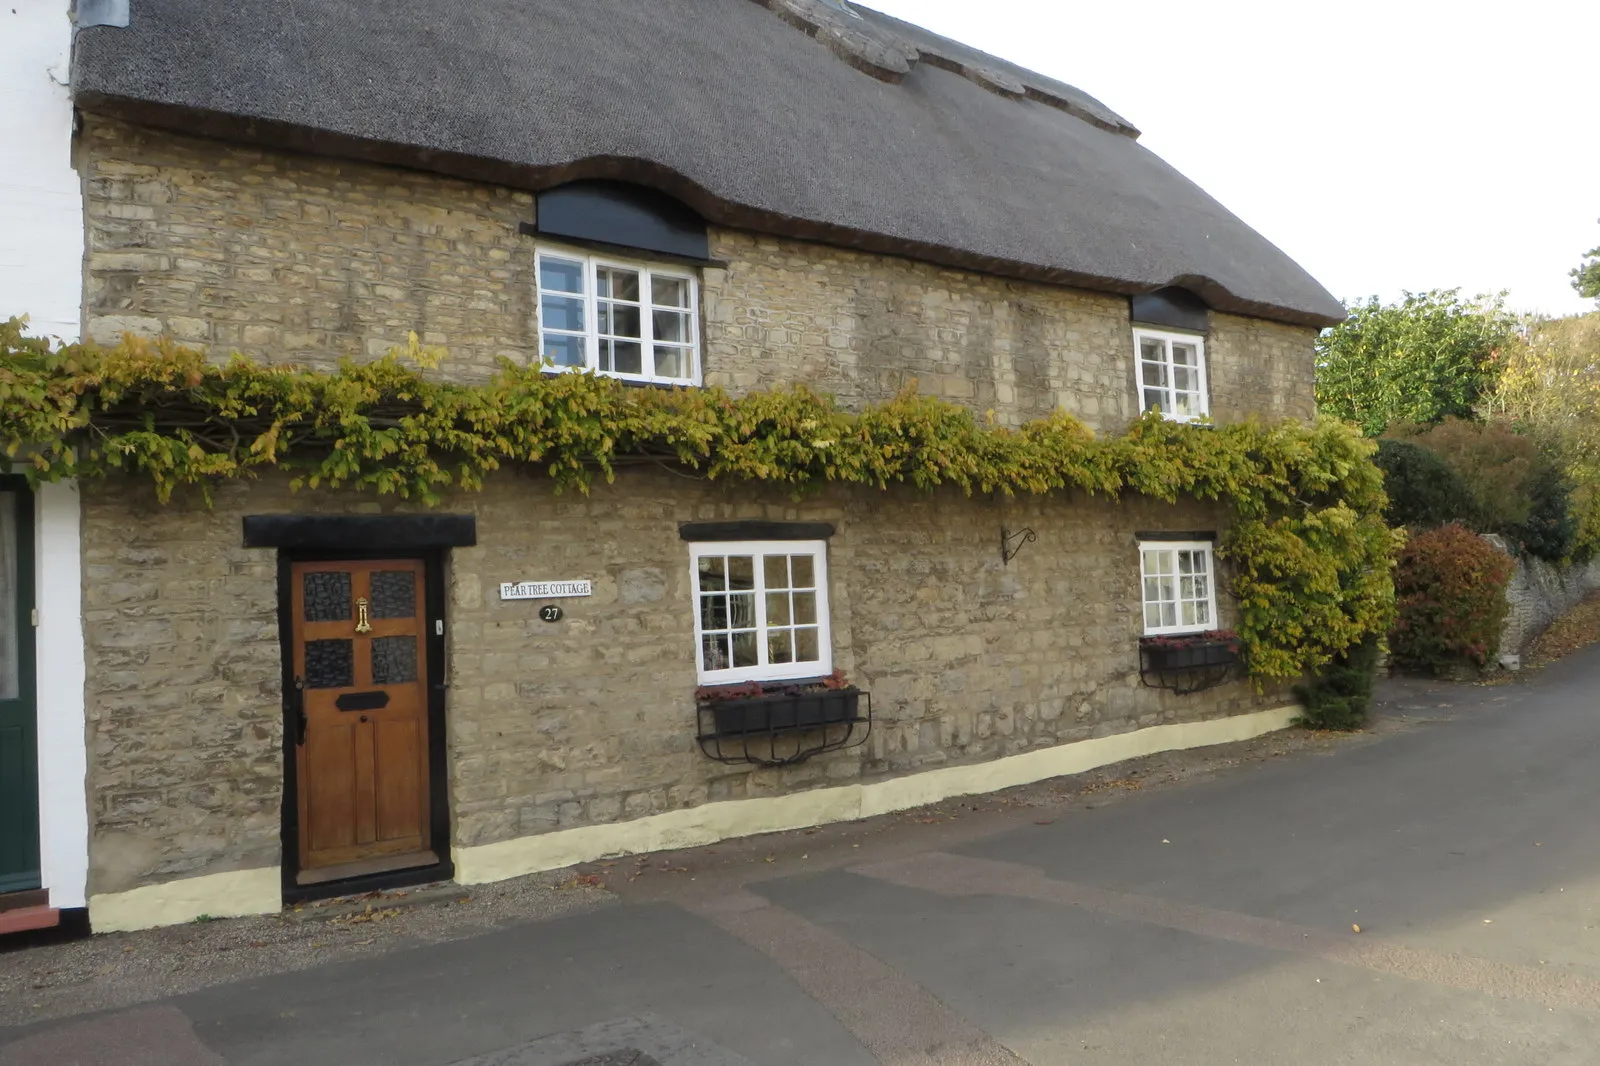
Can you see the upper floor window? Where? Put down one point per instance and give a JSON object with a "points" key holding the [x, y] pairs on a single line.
{"points": [[1172, 374], [1179, 593], [626, 320], [761, 610]]}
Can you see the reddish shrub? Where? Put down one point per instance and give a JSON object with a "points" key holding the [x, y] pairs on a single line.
{"points": [[1450, 589]]}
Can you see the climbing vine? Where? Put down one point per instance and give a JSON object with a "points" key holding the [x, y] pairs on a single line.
{"points": [[1311, 555]]}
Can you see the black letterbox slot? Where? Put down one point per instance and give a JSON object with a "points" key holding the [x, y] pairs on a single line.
{"points": [[362, 701]]}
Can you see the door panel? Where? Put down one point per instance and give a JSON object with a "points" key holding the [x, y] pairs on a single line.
{"points": [[359, 660], [19, 763], [329, 779], [399, 745]]}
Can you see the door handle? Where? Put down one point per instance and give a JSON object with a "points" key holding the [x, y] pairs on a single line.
{"points": [[299, 698]]}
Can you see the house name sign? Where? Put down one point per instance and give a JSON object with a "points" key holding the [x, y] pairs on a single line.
{"points": [[544, 590]]}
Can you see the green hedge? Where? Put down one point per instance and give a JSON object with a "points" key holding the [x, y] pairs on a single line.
{"points": [[1340, 696]]}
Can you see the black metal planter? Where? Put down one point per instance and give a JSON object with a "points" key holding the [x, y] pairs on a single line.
{"points": [[1189, 666], [784, 727], [762, 714]]}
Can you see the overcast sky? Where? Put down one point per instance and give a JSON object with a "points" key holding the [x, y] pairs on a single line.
{"points": [[1384, 144]]}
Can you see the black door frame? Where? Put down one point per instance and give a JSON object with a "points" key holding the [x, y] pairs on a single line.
{"points": [[433, 597]]}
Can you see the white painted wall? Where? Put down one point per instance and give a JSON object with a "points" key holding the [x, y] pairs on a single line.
{"points": [[63, 753], [41, 209], [41, 275]]}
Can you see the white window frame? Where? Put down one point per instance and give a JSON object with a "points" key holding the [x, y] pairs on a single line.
{"points": [[764, 671], [1172, 548], [648, 272], [1169, 404]]}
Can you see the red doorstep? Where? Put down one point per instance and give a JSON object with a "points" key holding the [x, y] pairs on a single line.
{"points": [[25, 918]]}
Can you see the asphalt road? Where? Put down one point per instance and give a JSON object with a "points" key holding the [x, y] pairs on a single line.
{"points": [[1208, 923]]}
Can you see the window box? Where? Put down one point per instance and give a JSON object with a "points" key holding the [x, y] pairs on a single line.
{"points": [[1189, 662], [782, 712], [764, 724], [1184, 653]]}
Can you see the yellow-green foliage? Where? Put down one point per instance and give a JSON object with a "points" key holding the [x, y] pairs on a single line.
{"points": [[1310, 553], [1550, 389]]}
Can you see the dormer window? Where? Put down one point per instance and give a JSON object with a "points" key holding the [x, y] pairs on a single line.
{"points": [[629, 320], [1172, 374]]}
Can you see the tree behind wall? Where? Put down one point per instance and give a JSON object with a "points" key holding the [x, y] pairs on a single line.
{"points": [[1513, 487], [1586, 275], [1494, 463], [1551, 391], [1430, 357], [1424, 491]]}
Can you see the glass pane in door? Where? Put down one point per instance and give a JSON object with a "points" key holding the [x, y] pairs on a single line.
{"points": [[394, 594], [330, 663], [327, 596], [394, 660]]}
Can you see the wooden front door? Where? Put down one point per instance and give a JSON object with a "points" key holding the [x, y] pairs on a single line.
{"points": [[360, 674], [19, 755]]}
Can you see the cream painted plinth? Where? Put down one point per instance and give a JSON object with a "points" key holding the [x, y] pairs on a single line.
{"points": [[241, 892], [712, 822], [222, 895]]}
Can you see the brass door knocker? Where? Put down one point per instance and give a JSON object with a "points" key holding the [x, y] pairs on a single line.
{"points": [[362, 625]]}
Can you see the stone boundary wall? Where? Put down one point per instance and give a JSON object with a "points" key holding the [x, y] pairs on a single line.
{"points": [[1539, 593]]}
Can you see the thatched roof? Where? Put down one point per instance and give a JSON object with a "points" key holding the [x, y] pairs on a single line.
{"points": [[796, 117]]}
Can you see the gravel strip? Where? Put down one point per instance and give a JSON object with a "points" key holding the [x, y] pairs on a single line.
{"points": [[121, 969]]}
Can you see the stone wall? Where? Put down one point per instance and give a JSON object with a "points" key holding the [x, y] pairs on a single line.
{"points": [[298, 258], [289, 257], [591, 720], [865, 327], [1538, 594], [183, 691], [1260, 369]]}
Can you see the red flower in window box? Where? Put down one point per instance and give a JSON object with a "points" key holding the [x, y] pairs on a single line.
{"points": [[746, 690], [1189, 640]]}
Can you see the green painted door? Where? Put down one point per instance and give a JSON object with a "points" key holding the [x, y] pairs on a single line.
{"points": [[19, 757]]}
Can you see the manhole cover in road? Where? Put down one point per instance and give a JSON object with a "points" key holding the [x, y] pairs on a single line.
{"points": [[618, 1058]]}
